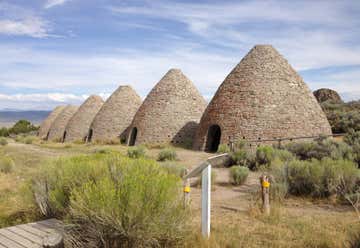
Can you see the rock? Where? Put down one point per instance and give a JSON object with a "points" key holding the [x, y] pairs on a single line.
{"points": [[323, 95], [54, 240]]}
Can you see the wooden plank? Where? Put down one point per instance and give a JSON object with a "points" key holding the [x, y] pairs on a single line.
{"points": [[35, 231], [52, 228], [9, 243], [33, 238], [50, 222], [41, 227], [195, 172], [53, 224], [18, 239]]}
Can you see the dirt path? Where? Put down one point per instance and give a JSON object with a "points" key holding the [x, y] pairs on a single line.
{"points": [[225, 196], [37, 149]]}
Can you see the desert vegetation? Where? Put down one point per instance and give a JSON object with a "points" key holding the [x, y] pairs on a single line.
{"points": [[113, 199], [119, 189], [20, 127], [343, 117], [167, 154]]}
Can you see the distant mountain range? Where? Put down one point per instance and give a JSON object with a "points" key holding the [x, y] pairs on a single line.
{"points": [[10, 117]]}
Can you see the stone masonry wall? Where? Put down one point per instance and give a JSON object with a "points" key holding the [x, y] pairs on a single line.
{"points": [[170, 113], [115, 115], [57, 129], [78, 127], [46, 124], [262, 98]]}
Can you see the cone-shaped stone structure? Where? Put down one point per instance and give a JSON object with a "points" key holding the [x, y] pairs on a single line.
{"points": [[115, 116], [57, 129], [263, 98], [46, 124], [77, 128], [170, 112]]}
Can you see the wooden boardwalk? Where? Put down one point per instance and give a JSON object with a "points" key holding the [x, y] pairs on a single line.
{"points": [[30, 235]]}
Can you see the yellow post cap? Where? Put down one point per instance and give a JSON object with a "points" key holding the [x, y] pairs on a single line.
{"points": [[187, 189], [265, 184]]}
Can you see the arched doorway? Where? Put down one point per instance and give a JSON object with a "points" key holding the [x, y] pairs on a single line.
{"points": [[133, 135], [64, 136], [213, 138], [89, 137]]}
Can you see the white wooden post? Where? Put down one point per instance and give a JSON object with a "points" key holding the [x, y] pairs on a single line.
{"points": [[205, 170], [205, 201]]}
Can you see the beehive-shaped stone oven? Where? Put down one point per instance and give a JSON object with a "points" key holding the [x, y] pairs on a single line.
{"points": [[78, 127], [57, 129], [262, 99], [115, 116], [170, 112], [46, 124]]}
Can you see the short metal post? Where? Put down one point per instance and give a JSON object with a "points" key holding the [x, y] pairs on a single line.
{"points": [[205, 201]]}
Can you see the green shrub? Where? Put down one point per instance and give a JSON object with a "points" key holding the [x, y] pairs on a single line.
{"points": [[343, 116], [264, 155], [352, 138], [283, 155], [320, 148], [53, 185], [3, 141], [223, 148], [29, 140], [103, 151], [173, 168], [167, 154], [279, 182], [19, 138], [238, 174], [4, 132], [22, 126], [6, 164], [136, 152], [322, 178], [140, 205], [239, 157]]}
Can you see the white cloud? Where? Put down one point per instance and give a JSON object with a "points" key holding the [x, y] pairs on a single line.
{"points": [[346, 83], [312, 34], [18, 21], [55, 97], [34, 27], [46, 101], [53, 3], [104, 72], [92, 73]]}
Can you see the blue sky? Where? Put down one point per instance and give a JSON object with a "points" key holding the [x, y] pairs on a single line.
{"points": [[60, 51]]}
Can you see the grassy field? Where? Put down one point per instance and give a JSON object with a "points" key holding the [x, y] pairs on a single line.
{"points": [[236, 218]]}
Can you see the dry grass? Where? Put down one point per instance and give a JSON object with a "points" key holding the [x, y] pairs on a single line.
{"points": [[281, 229]]}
